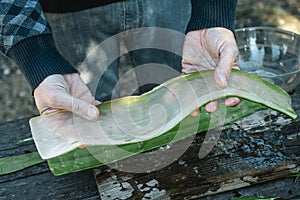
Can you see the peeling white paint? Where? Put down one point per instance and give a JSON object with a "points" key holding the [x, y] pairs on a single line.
{"points": [[182, 163], [152, 183], [250, 179], [142, 188], [126, 178], [196, 170], [116, 191], [234, 184], [155, 193]]}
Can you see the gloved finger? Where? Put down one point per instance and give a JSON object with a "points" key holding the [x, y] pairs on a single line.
{"points": [[48, 111], [228, 56], [195, 113], [83, 102], [96, 102], [78, 88], [77, 106], [232, 101], [236, 65], [82, 147], [83, 108], [188, 68], [212, 106], [194, 56]]}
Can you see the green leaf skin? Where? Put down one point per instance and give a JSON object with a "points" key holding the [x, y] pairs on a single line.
{"points": [[125, 121], [256, 93], [81, 159], [15, 163]]}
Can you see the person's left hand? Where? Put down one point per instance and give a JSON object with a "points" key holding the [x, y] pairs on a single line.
{"points": [[213, 48]]}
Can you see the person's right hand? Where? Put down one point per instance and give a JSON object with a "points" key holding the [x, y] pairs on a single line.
{"points": [[66, 92]]}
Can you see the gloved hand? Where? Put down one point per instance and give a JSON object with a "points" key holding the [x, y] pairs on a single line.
{"points": [[213, 48], [66, 92]]}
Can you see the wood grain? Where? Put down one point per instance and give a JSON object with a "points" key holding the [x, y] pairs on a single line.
{"points": [[245, 159]]}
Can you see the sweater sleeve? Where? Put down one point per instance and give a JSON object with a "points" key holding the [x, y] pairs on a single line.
{"points": [[25, 36], [212, 13]]}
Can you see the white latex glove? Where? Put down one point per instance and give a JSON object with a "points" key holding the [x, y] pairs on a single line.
{"points": [[213, 48], [66, 92]]}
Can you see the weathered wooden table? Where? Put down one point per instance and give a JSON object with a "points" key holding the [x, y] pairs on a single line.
{"points": [[247, 161], [37, 182], [244, 163]]}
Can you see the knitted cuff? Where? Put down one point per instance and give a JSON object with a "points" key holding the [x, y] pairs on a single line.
{"points": [[37, 58], [212, 13]]}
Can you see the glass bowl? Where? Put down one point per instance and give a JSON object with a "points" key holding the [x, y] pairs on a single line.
{"points": [[271, 54]]}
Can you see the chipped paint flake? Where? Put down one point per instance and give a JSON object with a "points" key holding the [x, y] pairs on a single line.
{"points": [[234, 184], [115, 190], [142, 188], [152, 183], [250, 179], [155, 193]]}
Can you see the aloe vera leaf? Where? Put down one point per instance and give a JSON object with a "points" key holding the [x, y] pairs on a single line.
{"points": [[16, 163], [81, 159], [138, 118], [77, 160], [24, 140]]}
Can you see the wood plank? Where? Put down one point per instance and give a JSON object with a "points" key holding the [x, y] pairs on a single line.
{"points": [[37, 182], [224, 169], [12, 132], [188, 177], [46, 186], [285, 188], [241, 158]]}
